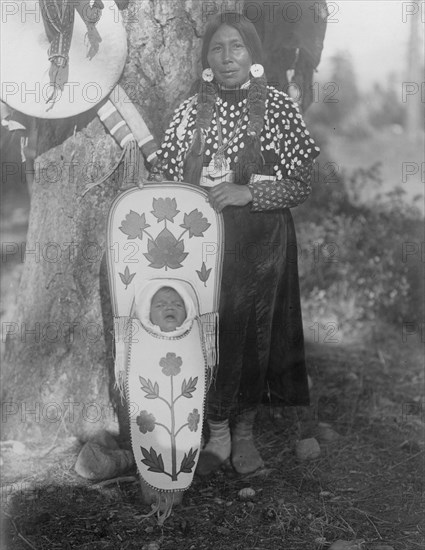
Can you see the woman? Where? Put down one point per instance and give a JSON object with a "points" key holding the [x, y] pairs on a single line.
{"points": [[247, 142]]}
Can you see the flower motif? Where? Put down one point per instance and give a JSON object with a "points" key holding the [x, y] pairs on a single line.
{"points": [[146, 422], [193, 420], [171, 364]]}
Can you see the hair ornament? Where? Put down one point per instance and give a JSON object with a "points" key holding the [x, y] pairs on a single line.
{"points": [[207, 75], [257, 70]]}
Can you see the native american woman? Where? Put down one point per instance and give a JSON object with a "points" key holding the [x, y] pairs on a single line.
{"points": [[246, 142]]}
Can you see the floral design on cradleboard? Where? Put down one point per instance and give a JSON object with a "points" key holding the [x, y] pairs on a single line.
{"points": [[126, 277], [166, 250], [146, 421]]}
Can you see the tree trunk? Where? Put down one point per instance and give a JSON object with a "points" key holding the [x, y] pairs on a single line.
{"points": [[57, 373]]}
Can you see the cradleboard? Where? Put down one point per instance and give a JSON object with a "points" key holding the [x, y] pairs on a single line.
{"points": [[165, 234]]}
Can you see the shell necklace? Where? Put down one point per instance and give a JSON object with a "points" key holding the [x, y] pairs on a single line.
{"points": [[220, 165]]}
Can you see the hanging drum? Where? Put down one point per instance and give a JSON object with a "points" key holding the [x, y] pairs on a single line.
{"points": [[60, 59]]}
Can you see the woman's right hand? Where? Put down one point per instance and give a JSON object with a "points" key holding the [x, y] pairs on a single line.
{"points": [[229, 194]]}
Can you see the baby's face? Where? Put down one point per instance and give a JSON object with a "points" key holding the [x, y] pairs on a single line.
{"points": [[167, 309]]}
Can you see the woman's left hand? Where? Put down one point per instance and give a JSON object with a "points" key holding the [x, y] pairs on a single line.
{"points": [[229, 194]]}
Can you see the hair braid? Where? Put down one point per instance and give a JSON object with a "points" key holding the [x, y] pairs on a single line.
{"points": [[251, 160], [207, 96]]}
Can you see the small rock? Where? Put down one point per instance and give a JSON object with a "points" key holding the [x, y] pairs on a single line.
{"points": [[269, 514], [307, 449], [320, 541], [16, 447], [151, 546], [325, 433], [347, 545], [247, 493]]}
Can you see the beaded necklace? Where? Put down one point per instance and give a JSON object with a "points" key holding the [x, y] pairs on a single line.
{"points": [[220, 165]]}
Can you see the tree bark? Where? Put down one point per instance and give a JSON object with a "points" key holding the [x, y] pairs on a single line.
{"points": [[57, 373]]}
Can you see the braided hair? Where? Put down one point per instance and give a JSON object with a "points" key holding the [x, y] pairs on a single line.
{"points": [[250, 160]]}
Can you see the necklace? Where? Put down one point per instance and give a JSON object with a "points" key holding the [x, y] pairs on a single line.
{"points": [[220, 165]]}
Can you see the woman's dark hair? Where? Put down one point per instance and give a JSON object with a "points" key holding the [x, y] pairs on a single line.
{"points": [[250, 160], [244, 27]]}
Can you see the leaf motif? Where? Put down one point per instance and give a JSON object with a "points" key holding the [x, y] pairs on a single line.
{"points": [[189, 387], [204, 273], [165, 209], [133, 225], [154, 255], [126, 277], [165, 251], [195, 223], [152, 460], [151, 390], [188, 461]]}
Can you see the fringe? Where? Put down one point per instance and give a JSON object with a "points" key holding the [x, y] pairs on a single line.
{"points": [[131, 173], [210, 326], [162, 508], [122, 331]]}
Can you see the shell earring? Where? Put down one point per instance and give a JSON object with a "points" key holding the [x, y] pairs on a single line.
{"points": [[257, 70], [207, 75]]}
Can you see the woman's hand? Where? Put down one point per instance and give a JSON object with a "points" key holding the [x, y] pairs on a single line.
{"points": [[229, 194]]}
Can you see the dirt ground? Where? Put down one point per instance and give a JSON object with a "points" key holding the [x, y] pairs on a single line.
{"points": [[367, 484]]}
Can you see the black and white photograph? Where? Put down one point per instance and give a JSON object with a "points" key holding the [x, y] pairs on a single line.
{"points": [[212, 274]]}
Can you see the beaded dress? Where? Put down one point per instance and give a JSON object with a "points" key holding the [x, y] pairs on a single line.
{"points": [[261, 336]]}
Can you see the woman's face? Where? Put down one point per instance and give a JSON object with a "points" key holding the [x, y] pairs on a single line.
{"points": [[228, 57]]}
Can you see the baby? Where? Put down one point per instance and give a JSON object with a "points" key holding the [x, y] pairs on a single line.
{"points": [[166, 307], [168, 310]]}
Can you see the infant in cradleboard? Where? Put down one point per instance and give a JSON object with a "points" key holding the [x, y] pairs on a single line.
{"points": [[165, 299], [166, 385], [165, 309]]}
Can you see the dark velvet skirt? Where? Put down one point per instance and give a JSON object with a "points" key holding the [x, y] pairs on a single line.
{"points": [[261, 334]]}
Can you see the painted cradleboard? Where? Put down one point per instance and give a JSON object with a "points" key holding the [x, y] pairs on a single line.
{"points": [[165, 234]]}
